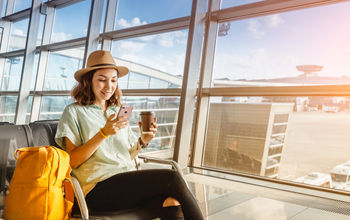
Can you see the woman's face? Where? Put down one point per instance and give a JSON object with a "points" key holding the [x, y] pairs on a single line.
{"points": [[104, 84]]}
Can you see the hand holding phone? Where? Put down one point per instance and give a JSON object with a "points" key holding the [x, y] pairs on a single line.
{"points": [[125, 111]]}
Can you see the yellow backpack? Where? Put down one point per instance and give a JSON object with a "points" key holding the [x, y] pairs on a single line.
{"points": [[40, 187]]}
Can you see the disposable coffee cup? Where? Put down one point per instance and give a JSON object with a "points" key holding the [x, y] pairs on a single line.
{"points": [[147, 117]]}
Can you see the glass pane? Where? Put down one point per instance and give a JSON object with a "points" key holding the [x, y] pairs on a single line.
{"points": [[12, 74], [22, 4], [18, 35], [29, 109], [159, 56], [35, 71], [1, 30], [41, 30], [61, 68], [8, 108], [103, 21], [166, 111], [230, 3], [284, 49], [301, 139], [3, 11], [77, 16], [138, 12], [52, 106]]}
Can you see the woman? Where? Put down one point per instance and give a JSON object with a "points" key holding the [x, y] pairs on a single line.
{"points": [[102, 146]]}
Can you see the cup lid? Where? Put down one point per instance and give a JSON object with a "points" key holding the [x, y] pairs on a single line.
{"points": [[147, 113]]}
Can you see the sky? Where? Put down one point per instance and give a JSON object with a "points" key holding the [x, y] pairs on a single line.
{"points": [[258, 48]]}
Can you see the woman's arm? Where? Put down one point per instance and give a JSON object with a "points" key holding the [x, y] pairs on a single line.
{"points": [[135, 150], [79, 155]]}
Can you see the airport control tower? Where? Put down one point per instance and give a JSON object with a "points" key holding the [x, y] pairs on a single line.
{"points": [[309, 70]]}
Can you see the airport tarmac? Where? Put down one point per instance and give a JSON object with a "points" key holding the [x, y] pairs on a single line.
{"points": [[316, 141]]}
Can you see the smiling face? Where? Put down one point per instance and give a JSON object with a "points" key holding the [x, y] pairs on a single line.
{"points": [[104, 84]]}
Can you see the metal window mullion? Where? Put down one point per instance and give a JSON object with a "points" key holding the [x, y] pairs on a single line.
{"points": [[4, 44], [111, 14], [204, 81], [28, 62], [62, 45], [62, 3], [149, 29], [93, 32], [10, 7], [320, 90], [42, 65], [262, 8], [6, 32], [20, 15], [126, 92], [189, 83]]}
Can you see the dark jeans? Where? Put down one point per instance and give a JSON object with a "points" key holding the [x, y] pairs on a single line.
{"points": [[148, 188]]}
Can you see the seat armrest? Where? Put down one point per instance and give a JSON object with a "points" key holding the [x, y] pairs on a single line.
{"points": [[174, 165], [80, 198]]}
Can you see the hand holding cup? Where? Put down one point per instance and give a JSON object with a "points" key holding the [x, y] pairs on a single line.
{"points": [[148, 126]]}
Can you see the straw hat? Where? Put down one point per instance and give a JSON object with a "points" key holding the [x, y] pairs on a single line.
{"points": [[100, 59]]}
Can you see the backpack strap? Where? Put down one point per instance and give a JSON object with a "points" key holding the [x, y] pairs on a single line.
{"points": [[42, 156], [69, 195]]}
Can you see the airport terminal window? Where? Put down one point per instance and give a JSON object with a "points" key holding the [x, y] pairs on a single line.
{"points": [[22, 4], [158, 83], [8, 108], [3, 11], [18, 35], [61, 68], [138, 81], [35, 71], [161, 56], [300, 139], [166, 110], [282, 49], [138, 12], [103, 21], [41, 30], [52, 106], [78, 22], [12, 74], [230, 3]]}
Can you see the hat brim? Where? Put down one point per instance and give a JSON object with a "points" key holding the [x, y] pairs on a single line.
{"points": [[122, 71]]}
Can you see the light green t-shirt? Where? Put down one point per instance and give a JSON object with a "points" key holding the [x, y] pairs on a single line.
{"points": [[79, 124]]}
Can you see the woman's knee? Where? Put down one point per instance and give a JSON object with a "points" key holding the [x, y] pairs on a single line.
{"points": [[170, 201]]}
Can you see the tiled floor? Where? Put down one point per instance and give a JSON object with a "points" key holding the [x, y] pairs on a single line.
{"points": [[220, 202]]}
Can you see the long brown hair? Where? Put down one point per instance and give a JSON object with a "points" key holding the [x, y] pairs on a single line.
{"points": [[83, 94]]}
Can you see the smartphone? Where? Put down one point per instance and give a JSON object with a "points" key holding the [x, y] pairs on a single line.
{"points": [[125, 111]]}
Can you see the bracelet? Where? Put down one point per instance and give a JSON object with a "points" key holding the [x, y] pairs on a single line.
{"points": [[103, 134], [142, 144]]}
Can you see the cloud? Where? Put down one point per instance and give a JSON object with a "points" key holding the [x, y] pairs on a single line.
{"points": [[134, 22], [169, 39], [131, 46], [257, 63], [60, 36], [19, 32], [257, 26], [253, 28], [172, 64], [273, 21]]}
